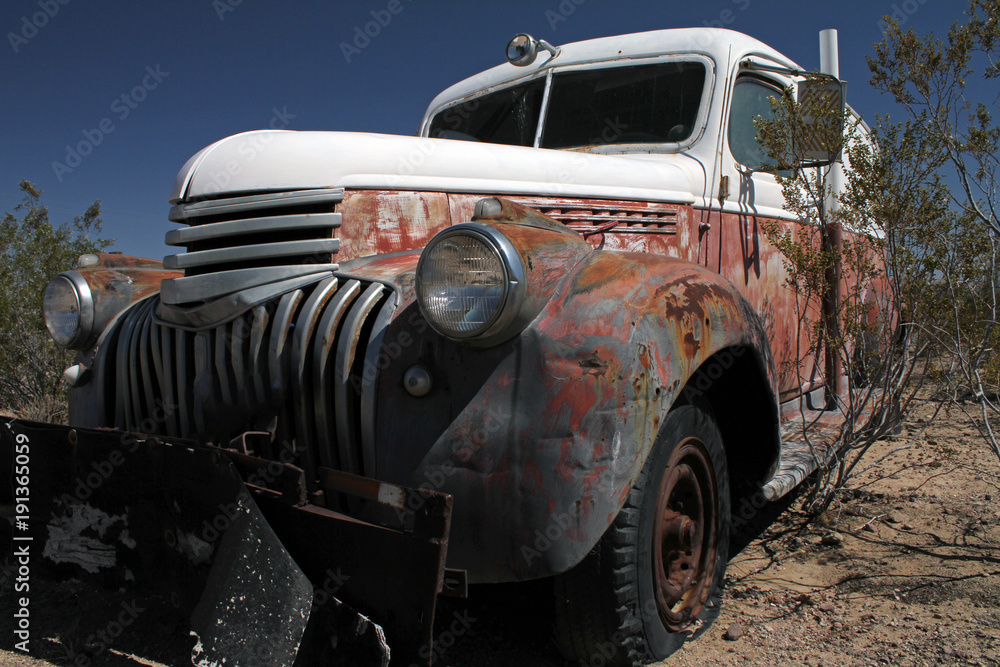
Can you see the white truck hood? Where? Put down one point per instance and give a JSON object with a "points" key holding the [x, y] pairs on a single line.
{"points": [[276, 160]]}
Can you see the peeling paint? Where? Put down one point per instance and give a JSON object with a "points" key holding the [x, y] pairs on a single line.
{"points": [[67, 543], [196, 549]]}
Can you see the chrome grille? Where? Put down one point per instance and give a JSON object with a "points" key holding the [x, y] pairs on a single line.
{"points": [[242, 242], [300, 367]]}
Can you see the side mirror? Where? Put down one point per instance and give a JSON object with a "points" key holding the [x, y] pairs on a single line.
{"points": [[523, 49], [822, 104]]}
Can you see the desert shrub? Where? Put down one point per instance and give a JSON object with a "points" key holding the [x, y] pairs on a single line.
{"points": [[34, 251], [918, 212]]}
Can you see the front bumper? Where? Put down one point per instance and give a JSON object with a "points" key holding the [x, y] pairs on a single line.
{"points": [[229, 539]]}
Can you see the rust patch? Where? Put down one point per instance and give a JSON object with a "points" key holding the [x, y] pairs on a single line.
{"points": [[644, 357], [606, 269], [117, 281], [686, 298], [691, 346], [594, 365], [113, 260], [398, 269], [378, 222]]}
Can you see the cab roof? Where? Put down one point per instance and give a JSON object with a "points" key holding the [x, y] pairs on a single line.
{"points": [[717, 43]]}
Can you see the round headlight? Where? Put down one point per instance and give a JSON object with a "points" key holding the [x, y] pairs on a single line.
{"points": [[469, 282], [68, 309]]}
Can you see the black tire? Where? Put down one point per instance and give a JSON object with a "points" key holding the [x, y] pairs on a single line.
{"points": [[607, 608]]}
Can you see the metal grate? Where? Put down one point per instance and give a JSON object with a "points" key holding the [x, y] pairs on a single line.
{"points": [[301, 367], [237, 243], [632, 217]]}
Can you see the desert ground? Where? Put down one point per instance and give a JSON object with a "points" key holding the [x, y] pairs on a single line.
{"points": [[904, 569]]}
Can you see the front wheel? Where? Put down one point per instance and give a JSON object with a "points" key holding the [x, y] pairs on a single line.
{"points": [[655, 578]]}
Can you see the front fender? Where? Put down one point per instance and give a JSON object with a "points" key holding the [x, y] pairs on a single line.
{"points": [[116, 282], [541, 460]]}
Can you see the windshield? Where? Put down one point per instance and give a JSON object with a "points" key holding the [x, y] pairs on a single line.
{"points": [[508, 116], [643, 104]]}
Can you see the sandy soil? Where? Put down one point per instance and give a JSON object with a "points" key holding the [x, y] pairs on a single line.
{"points": [[905, 570]]}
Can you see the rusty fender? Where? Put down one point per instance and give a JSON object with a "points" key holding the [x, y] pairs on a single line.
{"points": [[541, 459], [118, 281], [115, 283]]}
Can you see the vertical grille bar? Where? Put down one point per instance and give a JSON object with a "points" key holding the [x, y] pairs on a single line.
{"points": [[167, 386], [277, 363], [145, 367], [257, 366], [259, 373], [203, 380], [235, 340], [369, 373], [155, 353], [346, 383], [305, 434], [223, 369], [121, 373], [276, 350], [135, 386], [326, 340], [183, 391]]}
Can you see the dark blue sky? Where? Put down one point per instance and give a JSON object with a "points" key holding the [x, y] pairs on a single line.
{"points": [[194, 71]]}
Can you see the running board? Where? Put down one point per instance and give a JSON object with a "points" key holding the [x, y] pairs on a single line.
{"points": [[808, 437], [806, 441]]}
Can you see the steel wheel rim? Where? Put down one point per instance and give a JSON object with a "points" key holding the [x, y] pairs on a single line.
{"points": [[684, 535]]}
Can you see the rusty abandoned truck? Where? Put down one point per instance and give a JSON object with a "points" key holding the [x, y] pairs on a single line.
{"points": [[545, 337]]}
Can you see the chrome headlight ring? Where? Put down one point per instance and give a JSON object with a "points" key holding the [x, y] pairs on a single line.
{"points": [[470, 285], [68, 309]]}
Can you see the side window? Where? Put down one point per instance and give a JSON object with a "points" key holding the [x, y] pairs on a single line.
{"points": [[751, 98]]}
